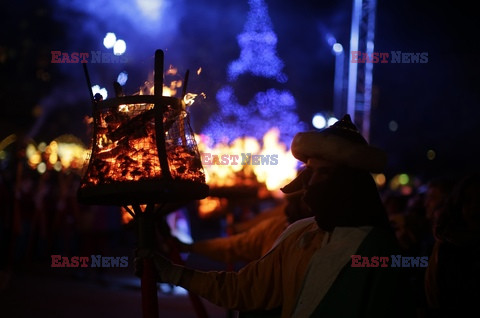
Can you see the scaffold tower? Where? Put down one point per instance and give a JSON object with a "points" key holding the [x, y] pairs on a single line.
{"points": [[362, 36]]}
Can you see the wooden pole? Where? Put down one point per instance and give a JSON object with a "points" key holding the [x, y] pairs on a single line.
{"points": [[159, 111], [146, 236]]}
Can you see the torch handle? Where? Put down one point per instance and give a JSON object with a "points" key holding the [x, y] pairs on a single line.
{"points": [[149, 290], [174, 255], [146, 240]]}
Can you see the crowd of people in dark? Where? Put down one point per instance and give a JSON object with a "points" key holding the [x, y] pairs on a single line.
{"points": [[438, 218], [40, 217]]}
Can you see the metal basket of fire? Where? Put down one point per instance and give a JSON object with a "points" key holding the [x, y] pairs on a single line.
{"points": [[143, 151]]}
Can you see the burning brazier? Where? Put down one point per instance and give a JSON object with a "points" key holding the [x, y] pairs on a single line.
{"points": [[144, 154], [143, 151]]}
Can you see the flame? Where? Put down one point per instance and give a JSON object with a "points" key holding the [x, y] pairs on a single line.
{"points": [[172, 83], [126, 147], [189, 98], [126, 217], [171, 70], [211, 205], [273, 175], [276, 176]]}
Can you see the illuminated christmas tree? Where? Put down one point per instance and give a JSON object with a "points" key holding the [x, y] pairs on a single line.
{"points": [[270, 108]]}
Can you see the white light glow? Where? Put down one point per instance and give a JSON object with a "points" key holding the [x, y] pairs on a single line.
{"points": [[97, 89], [337, 48], [319, 121], [150, 8], [109, 40], [120, 47], [331, 121]]}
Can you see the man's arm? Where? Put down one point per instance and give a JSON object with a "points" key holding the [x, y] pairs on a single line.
{"points": [[256, 286], [244, 246], [247, 246]]}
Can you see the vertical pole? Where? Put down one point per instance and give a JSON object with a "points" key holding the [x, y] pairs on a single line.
{"points": [[181, 119], [371, 10], [174, 255], [146, 240], [352, 67], [185, 83], [338, 104], [159, 110], [89, 83]]}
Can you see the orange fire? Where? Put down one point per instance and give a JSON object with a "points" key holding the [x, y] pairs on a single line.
{"points": [[126, 217], [274, 174], [271, 174], [126, 148], [126, 151]]}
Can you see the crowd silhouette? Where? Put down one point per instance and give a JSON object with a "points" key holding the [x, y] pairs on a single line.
{"points": [[438, 218]]}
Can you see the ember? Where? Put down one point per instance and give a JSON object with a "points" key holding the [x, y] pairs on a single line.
{"points": [[143, 151], [127, 151]]}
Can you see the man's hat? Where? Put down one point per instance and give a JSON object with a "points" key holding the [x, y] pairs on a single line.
{"points": [[340, 143]]}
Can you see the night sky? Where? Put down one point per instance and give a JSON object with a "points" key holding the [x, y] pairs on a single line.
{"points": [[435, 105]]}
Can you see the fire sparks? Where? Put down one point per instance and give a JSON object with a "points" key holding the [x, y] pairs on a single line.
{"points": [[189, 99], [173, 83]]}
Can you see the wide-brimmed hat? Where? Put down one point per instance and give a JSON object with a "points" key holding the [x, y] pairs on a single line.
{"points": [[340, 143]]}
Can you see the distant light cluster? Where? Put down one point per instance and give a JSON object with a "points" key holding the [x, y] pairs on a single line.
{"points": [[110, 41], [258, 47]]}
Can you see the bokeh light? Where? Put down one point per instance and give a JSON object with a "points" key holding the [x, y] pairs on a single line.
{"points": [[393, 125], [109, 40], [102, 91], [337, 48], [331, 121], [122, 78], [319, 121], [120, 47]]}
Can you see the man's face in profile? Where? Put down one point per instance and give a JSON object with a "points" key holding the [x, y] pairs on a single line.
{"points": [[321, 196]]}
